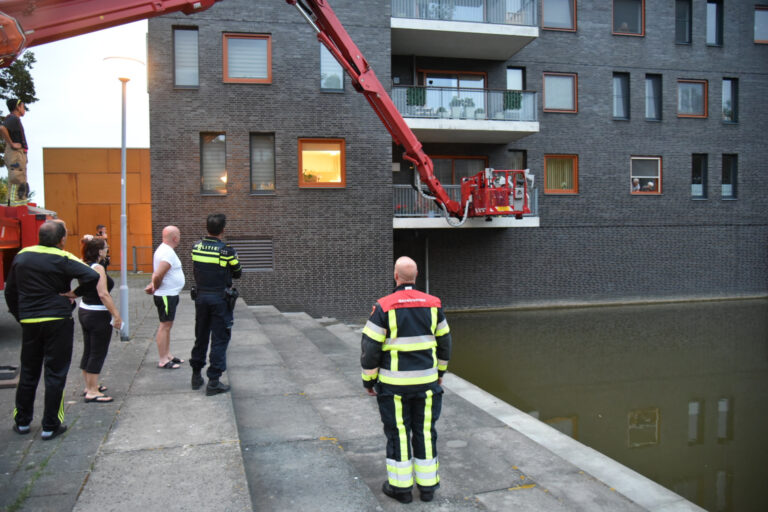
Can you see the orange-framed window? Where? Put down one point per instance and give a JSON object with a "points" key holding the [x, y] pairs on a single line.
{"points": [[247, 58], [629, 17], [561, 92], [451, 169], [322, 163], [761, 24], [558, 15], [692, 98], [645, 175], [561, 174]]}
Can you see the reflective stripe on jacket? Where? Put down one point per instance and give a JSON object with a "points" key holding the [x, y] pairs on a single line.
{"points": [[406, 342], [214, 264]]}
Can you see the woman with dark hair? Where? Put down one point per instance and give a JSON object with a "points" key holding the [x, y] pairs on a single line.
{"points": [[96, 309]]}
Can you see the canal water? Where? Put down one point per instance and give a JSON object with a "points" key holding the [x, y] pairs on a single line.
{"points": [[677, 392]]}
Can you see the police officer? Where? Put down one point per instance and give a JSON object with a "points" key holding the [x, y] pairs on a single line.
{"points": [[215, 264], [38, 296], [406, 346]]}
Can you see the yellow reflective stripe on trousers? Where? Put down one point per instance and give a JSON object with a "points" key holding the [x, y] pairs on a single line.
{"points": [[400, 473], [61, 408], [402, 434], [426, 472], [165, 303], [39, 320], [427, 427], [407, 378]]}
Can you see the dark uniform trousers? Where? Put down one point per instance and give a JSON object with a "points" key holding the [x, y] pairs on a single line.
{"points": [[45, 345], [213, 321], [409, 425]]}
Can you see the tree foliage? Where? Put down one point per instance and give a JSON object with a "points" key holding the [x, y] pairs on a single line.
{"points": [[16, 82]]}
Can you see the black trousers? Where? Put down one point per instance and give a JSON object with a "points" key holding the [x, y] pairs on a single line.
{"points": [[44, 345], [97, 333], [213, 323]]}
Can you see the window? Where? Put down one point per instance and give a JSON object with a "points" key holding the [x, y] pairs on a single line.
{"points": [[247, 58], [621, 95], [515, 79], [558, 14], [653, 97], [715, 22], [331, 72], [322, 163], [517, 159], [213, 163], [561, 174], [699, 176], [761, 24], [185, 60], [262, 163], [645, 175], [451, 169], [683, 21], [730, 100], [629, 17], [692, 98], [730, 174], [560, 92]]}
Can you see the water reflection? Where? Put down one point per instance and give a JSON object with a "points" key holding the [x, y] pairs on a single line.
{"points": [[677, 392]]}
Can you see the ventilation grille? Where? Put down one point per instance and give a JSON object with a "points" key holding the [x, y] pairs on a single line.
{"points": [[255, 255]]}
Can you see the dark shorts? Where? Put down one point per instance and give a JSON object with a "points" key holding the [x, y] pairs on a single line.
{"points": [[166, 307]]}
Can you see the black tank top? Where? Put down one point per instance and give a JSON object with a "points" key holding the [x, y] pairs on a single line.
{"points": [[92, 297]]}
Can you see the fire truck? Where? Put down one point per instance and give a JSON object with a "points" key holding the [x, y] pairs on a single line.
{"points": [[490, 193]]}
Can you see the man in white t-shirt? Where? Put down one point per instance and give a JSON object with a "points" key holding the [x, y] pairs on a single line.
{"points": [[167, 283]]}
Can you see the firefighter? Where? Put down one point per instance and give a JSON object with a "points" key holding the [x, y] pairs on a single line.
{"points": [[406, 345], [215, 264], [38, 296]]}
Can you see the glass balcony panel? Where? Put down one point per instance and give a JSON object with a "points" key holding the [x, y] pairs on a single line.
{"points": [[464, 103], [509, 12]]}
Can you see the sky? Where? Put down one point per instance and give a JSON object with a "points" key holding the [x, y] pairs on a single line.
{"points": [[80, 100]]}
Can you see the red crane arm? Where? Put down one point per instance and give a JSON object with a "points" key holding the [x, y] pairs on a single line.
{"points": [[332, 34]]}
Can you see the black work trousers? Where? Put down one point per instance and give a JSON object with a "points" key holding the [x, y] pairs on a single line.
{"points": [[213, 324], [44, 345]]}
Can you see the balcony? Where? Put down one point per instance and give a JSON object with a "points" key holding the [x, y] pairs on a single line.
{"points": [[412, 211], [484, 116], [470, 29]]}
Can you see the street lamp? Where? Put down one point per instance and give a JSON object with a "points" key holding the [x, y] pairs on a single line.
{"points": [[124, 68]]}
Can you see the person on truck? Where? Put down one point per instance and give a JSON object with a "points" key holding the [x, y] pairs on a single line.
{"points": [[16, 148]]}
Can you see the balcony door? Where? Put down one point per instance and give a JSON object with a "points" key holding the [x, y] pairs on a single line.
{"points": [[448, 89]]}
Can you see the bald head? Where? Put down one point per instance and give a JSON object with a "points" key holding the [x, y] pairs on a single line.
{"points": [[405, 271], [171, 236], [52, 233]]}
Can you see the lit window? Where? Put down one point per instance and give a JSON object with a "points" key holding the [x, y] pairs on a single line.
{"points": [[653, 97], [621, 95], [247, 58], [331, 72], [730, 100], [699, 176], [558, 14], [730, 175], [645, 174], [715, 22], [262, 163], [213, 163], [561, 174], [761, 24], [560, 92], [692, 98], [322, 163], [683, 21], [629, 17], [185, 57]]}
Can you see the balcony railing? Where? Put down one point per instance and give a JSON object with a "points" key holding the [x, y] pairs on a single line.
{"points": [[409, 203], [454, 103], [509, 12]]}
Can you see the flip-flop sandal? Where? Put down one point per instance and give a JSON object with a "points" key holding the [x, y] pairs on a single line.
{"points": [[99, 399], [176, 360], [101, 390], [170, 365]]}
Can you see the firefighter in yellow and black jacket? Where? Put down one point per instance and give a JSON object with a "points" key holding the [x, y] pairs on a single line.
{"points": [[406, 346]]}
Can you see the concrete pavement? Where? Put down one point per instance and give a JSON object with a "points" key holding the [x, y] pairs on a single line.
{"points": [[296, 432]]}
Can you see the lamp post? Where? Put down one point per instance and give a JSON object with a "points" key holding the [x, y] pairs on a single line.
{"points": [[123, 67]]}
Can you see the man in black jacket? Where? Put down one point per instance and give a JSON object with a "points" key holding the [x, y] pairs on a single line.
{"points": [[38, 296]]}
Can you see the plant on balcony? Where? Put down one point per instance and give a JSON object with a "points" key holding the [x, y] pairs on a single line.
{"points": [[442, 112], [456, 102], [513, 100], [480, 113], [416, 96]]}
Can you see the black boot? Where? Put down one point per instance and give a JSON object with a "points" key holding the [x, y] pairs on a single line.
{"points": [[215, 387], [197, 379], [401, 496]]}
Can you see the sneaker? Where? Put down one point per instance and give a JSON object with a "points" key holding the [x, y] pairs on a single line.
{"points": [[215, 387], [401, 496], [197, 379], [47, 435], [20, 429]]}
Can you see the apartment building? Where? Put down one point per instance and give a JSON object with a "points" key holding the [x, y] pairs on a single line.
{"points": [[641, 121]]}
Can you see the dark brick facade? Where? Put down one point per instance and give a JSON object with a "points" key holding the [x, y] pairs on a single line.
{"points": [[334, 248]]}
